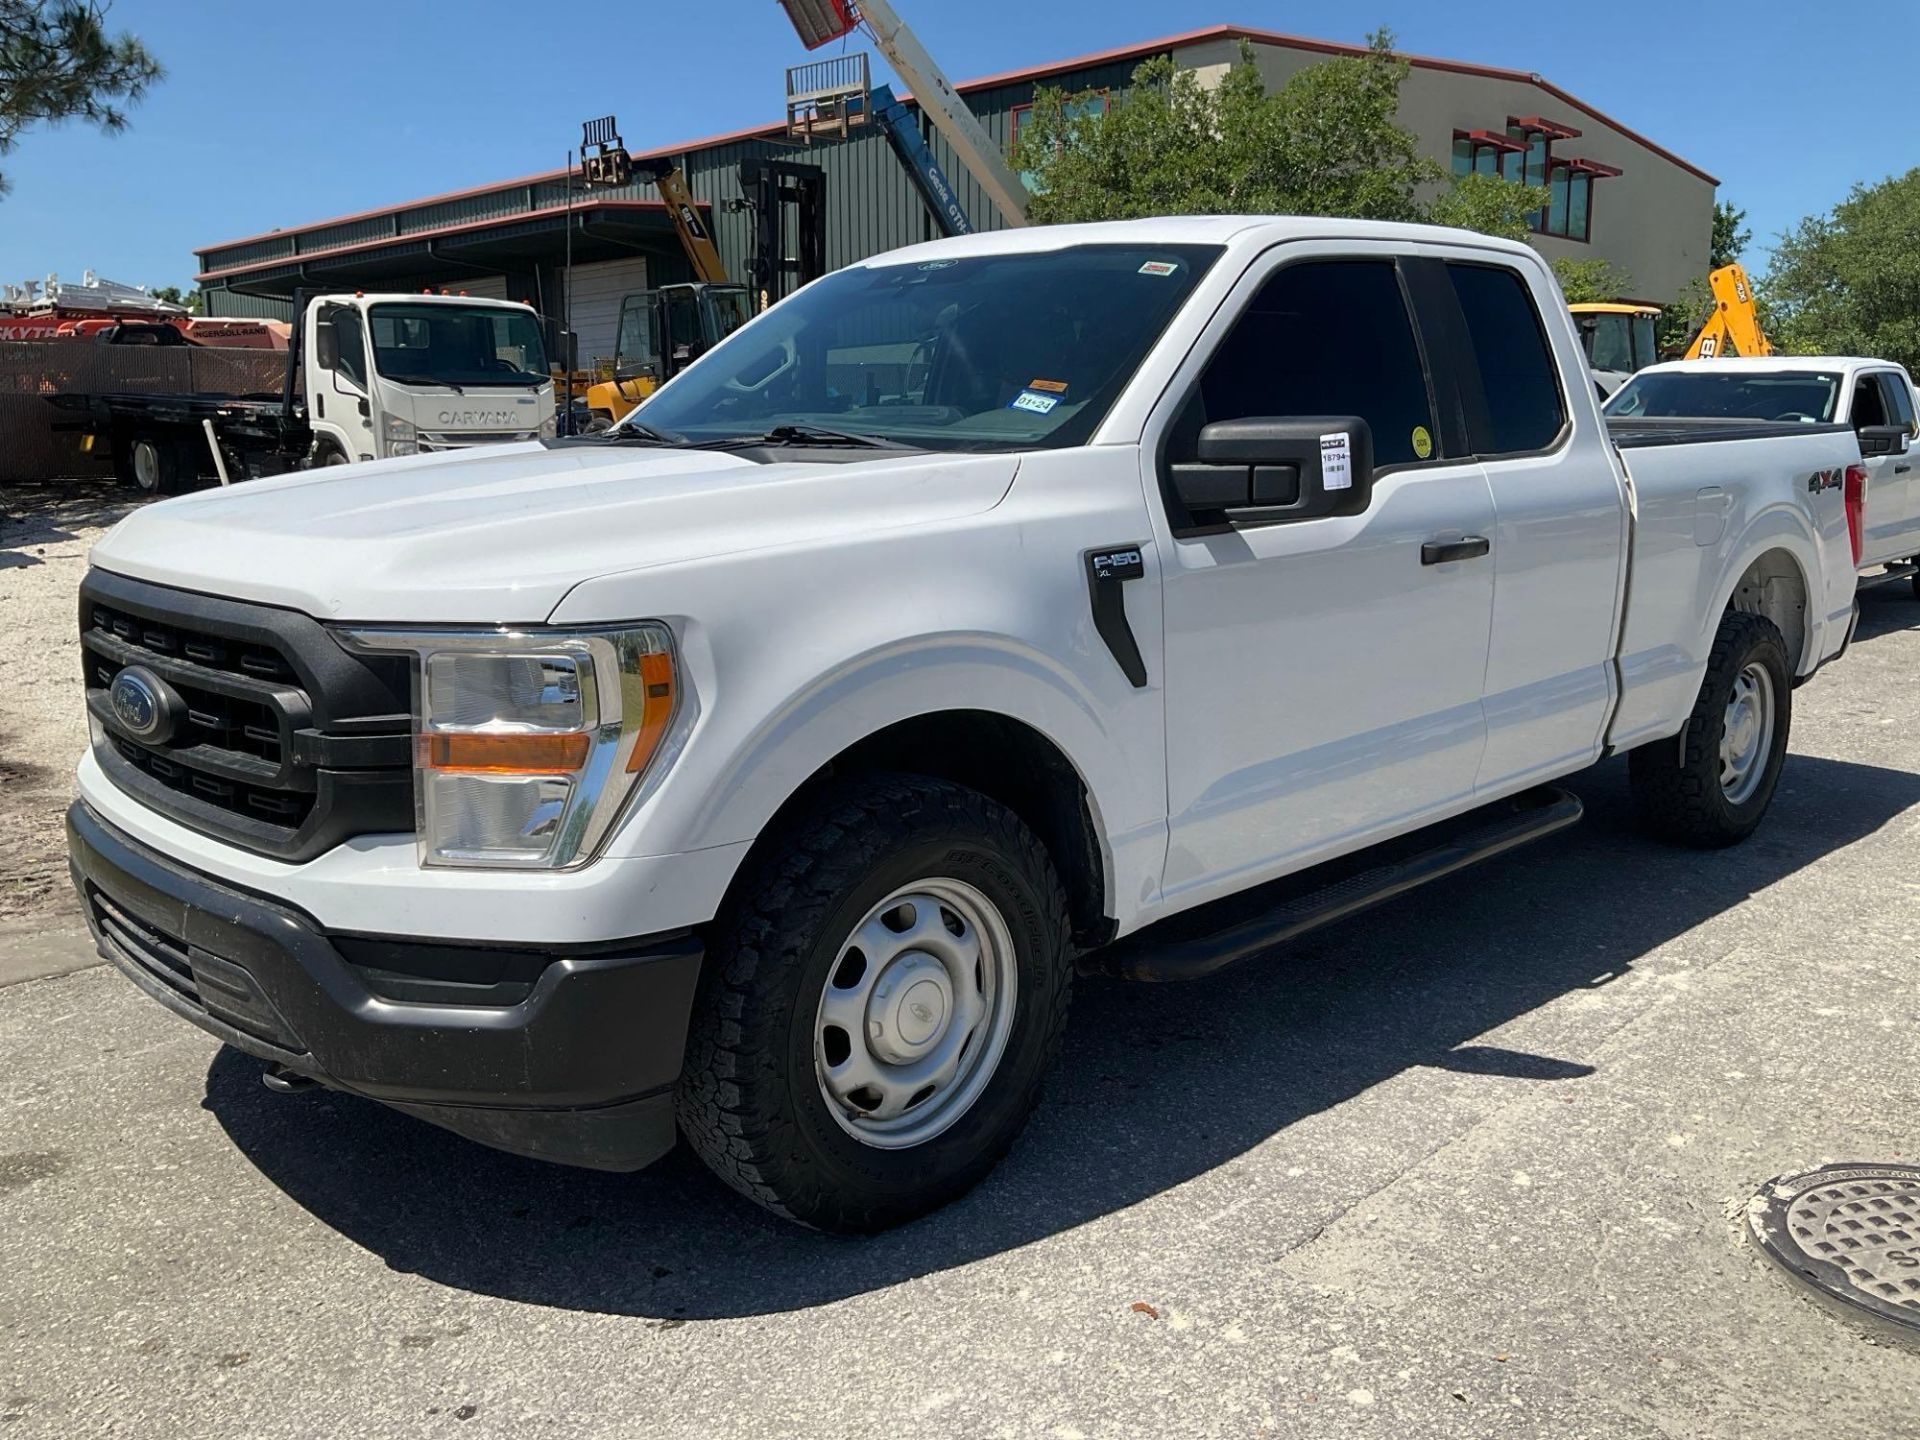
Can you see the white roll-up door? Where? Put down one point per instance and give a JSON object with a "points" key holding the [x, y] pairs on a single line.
{"points": [[598, 290]]}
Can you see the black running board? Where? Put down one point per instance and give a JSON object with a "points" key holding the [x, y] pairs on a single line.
{"points": [[1171, 950]]}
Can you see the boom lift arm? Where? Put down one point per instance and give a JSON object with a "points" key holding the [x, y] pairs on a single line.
{"points": [[819, 21], [903, 133], [1734, 326], [695, 238]]}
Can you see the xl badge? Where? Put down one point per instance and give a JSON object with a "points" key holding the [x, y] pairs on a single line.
{"points": [[141, 704]]}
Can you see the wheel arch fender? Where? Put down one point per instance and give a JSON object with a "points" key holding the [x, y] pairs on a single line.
{"points": [[733, 782], [1773, 571]]}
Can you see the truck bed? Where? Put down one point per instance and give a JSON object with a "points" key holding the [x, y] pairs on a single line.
{"points": [[1705, 500]]}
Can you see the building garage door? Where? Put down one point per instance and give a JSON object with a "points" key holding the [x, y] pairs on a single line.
{"points": [[598, 290], [487, 287]]}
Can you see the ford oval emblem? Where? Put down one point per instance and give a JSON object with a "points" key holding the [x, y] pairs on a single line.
{"points": [[139, 701]]}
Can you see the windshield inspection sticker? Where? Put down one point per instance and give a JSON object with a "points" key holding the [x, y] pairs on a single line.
{"points": [[1033, 400], [1336, 461], [1159, 267], [1052, 387]]}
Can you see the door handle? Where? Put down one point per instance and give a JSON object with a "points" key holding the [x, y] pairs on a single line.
{"points": [[1439, 552], [1901, 469]]}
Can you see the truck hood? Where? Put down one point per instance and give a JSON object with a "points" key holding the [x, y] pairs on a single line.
{"points": [[498, 535]]}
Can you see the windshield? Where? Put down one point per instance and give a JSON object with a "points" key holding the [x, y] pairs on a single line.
{"points": [[1726, 395], [457, 345], [1611, 345], [1644, 346], [985, 352]]}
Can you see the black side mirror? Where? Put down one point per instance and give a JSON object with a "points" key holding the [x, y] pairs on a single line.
{"points": [[1883, 440], [326, 345], [1270, 470]]}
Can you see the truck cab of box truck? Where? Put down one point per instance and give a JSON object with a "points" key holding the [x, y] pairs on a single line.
{"points": [[388, 375]]}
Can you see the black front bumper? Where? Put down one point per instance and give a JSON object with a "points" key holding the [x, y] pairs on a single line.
{"points": [[579, 1069]]}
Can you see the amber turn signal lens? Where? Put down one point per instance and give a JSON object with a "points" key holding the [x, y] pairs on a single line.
{"points": [[505, 754], [656, 708]]}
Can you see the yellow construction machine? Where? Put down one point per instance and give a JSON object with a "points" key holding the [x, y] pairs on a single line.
{"points": [[664, 329], [1734, 326]]}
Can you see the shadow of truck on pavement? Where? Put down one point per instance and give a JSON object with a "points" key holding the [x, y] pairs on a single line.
{"points": [[1157, 1084]]}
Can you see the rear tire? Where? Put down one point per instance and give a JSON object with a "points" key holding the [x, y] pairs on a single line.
{"points": [[928, 922], [1710, 785], [153, 465]]}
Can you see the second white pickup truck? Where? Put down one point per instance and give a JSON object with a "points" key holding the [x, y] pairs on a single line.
{"points": [[1875, 398], [763, 771]]}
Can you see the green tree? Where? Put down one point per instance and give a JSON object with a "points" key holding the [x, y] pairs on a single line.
{"points": [[1848, 282], [174, 295], [1729, 239], [1587, 281], [1325, 143], [1490, 205], [58, 62]]}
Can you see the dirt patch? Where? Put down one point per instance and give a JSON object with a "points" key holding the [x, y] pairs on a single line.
{"points": [[46, 531]]}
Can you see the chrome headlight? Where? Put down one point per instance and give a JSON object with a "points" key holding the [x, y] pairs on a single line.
{"points": [[402, 436], [528, 745], [550, 427]]}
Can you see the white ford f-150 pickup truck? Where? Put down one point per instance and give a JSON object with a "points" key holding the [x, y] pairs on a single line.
{"points": [[1126, 597], [1874, 397]]}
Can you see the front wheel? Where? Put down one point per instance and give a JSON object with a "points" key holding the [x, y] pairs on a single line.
{"points": [[1710, 785], [880, 1003]]}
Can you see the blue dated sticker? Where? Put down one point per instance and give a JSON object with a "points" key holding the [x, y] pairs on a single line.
{"points": [[1033, 400]]}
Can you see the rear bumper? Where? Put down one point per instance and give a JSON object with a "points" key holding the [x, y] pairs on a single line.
{"points": [[572, 1057]]}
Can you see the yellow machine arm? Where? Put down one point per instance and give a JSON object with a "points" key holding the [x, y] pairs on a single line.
{"points": [[1734, 327], [694, 236]]}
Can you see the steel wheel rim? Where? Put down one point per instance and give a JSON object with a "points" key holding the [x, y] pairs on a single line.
{"points": [[146, 465], [915, 1013], [1746, 733]]}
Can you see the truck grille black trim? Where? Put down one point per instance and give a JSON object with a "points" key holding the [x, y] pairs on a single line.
{"points": [[286, 743], [162, 956]]}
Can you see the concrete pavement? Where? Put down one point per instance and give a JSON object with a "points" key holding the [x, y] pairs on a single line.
{"points": [[1468, 1166]]}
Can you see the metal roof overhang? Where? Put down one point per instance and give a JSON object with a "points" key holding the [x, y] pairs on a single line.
{"points": [[600, 232]]}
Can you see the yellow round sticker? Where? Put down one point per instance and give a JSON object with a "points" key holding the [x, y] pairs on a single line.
{"points": [[1422, 442]]}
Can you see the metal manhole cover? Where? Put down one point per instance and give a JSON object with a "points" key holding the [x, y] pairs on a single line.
{"points": [[1851, 1232]]}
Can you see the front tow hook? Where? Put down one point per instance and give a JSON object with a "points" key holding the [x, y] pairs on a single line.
{"points": [[283, 1081]]}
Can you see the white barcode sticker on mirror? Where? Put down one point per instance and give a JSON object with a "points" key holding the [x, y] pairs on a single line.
{"points": [[1336, 461]]}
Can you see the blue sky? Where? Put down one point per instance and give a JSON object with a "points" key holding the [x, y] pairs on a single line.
{"points": [[275, 114]]}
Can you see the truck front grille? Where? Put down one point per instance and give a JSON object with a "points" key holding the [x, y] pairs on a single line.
{"points": [[463, 439], [280, 740]]}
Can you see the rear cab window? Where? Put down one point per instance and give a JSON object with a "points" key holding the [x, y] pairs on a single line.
{"points": [[1805, 397], [1521, 409]]}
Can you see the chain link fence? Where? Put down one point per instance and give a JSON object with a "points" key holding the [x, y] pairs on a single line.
{"points": [[33, 370]]}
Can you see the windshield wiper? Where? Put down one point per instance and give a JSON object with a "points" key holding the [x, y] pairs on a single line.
{"points": [[425, 380], [813, 435], [635, 432]]}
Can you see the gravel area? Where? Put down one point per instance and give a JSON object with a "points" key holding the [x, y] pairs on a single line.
{"points": [[46, 531]]}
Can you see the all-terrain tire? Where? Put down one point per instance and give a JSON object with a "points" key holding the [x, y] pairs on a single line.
{"points": [[1677, 781], [751, 1100]]}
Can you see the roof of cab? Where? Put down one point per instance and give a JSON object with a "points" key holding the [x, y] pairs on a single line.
{"points": [[1779, 364], [1256, 230]]}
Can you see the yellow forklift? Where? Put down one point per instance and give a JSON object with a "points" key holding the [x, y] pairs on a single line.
{"points": [[664, 329]]}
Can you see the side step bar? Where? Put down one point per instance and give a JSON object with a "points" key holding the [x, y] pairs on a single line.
{"points": [[1172, 950]]}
